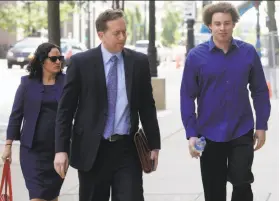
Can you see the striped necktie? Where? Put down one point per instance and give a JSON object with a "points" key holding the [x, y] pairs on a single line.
{"points": [[112, 87]]}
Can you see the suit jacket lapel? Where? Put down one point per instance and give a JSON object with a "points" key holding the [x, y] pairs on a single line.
{"points": [[128, 67], [37, 94], [38, 88]]}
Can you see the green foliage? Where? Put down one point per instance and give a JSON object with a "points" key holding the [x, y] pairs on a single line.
{"points": [[237, 31], [135, 25], [8, 17], [170, 22], [129, 18], [32, 15], [66, 8], [139, 27]]}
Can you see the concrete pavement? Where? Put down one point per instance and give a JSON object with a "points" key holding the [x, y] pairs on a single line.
{"points": [[9, 81], [178, 175]]}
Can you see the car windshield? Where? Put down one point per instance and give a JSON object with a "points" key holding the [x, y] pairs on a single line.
{"points": [[145, 45], [28, 43]]}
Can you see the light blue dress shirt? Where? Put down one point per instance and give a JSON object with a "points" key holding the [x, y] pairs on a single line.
{"points": [[122, 115]]}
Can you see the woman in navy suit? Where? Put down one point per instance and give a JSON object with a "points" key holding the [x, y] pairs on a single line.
{"points": [[34, 109]]}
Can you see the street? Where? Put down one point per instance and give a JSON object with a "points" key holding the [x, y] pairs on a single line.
{"points": [[9, 81], [178, 175]]}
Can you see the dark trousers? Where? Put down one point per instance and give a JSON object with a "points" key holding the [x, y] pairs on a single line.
{"points": [[117, 169], [228, 161]]}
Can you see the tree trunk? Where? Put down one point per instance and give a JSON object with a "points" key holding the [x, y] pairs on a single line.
{"points": [[271, 15], [152, 51], [117, 4], [205, 3], [272, 27], [123, 5], [54, 22]]}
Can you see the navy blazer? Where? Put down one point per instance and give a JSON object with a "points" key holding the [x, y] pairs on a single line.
{"points": [[26, 109]]}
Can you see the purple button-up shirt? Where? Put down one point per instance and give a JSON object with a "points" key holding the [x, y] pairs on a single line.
{"points": [[219, 82]]}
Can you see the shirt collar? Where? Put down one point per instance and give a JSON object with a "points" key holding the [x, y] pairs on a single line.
{"points": [[107, 55], [212, 44]]}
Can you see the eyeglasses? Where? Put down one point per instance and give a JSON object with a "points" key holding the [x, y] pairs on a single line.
{"points": [[55, 58]]}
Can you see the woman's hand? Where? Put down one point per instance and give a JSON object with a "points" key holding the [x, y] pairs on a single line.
{"points": [[7, 153]]}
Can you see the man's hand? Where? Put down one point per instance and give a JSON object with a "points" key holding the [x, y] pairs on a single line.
{"points": [[259, 138], [154, 157], [193, 152], [61, 163]]}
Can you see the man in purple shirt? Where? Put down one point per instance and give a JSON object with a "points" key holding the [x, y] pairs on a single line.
{"points": [[217, 74]]}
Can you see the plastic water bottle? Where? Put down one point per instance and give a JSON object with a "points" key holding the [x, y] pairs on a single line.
{"points": [[200, 144]]}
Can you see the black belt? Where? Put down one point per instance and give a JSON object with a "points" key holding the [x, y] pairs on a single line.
{"points": [[116, 137]]}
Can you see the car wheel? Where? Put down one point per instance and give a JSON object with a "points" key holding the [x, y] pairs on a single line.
{"points": [[21, 66], [10, 66]]}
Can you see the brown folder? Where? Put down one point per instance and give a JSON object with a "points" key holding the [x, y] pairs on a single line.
{"points": [[143, 150]]}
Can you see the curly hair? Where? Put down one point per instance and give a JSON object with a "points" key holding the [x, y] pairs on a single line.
{"points": [[220, 7], [35, 66]]}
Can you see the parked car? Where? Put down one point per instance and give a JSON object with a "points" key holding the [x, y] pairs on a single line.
{"points": [[70, 47], [23, 51], [132, 47], [163, 53]]}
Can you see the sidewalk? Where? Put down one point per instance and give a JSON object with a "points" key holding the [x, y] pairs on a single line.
{"points": [[178, 175]]}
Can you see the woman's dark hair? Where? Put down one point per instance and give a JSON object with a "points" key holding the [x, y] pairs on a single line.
{"points": [[35, 66]]}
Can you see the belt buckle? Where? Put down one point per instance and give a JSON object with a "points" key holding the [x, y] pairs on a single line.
{"points": [[111, 139]]}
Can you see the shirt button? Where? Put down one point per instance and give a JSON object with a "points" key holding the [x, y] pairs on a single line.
{"points": [[227, 81]]}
